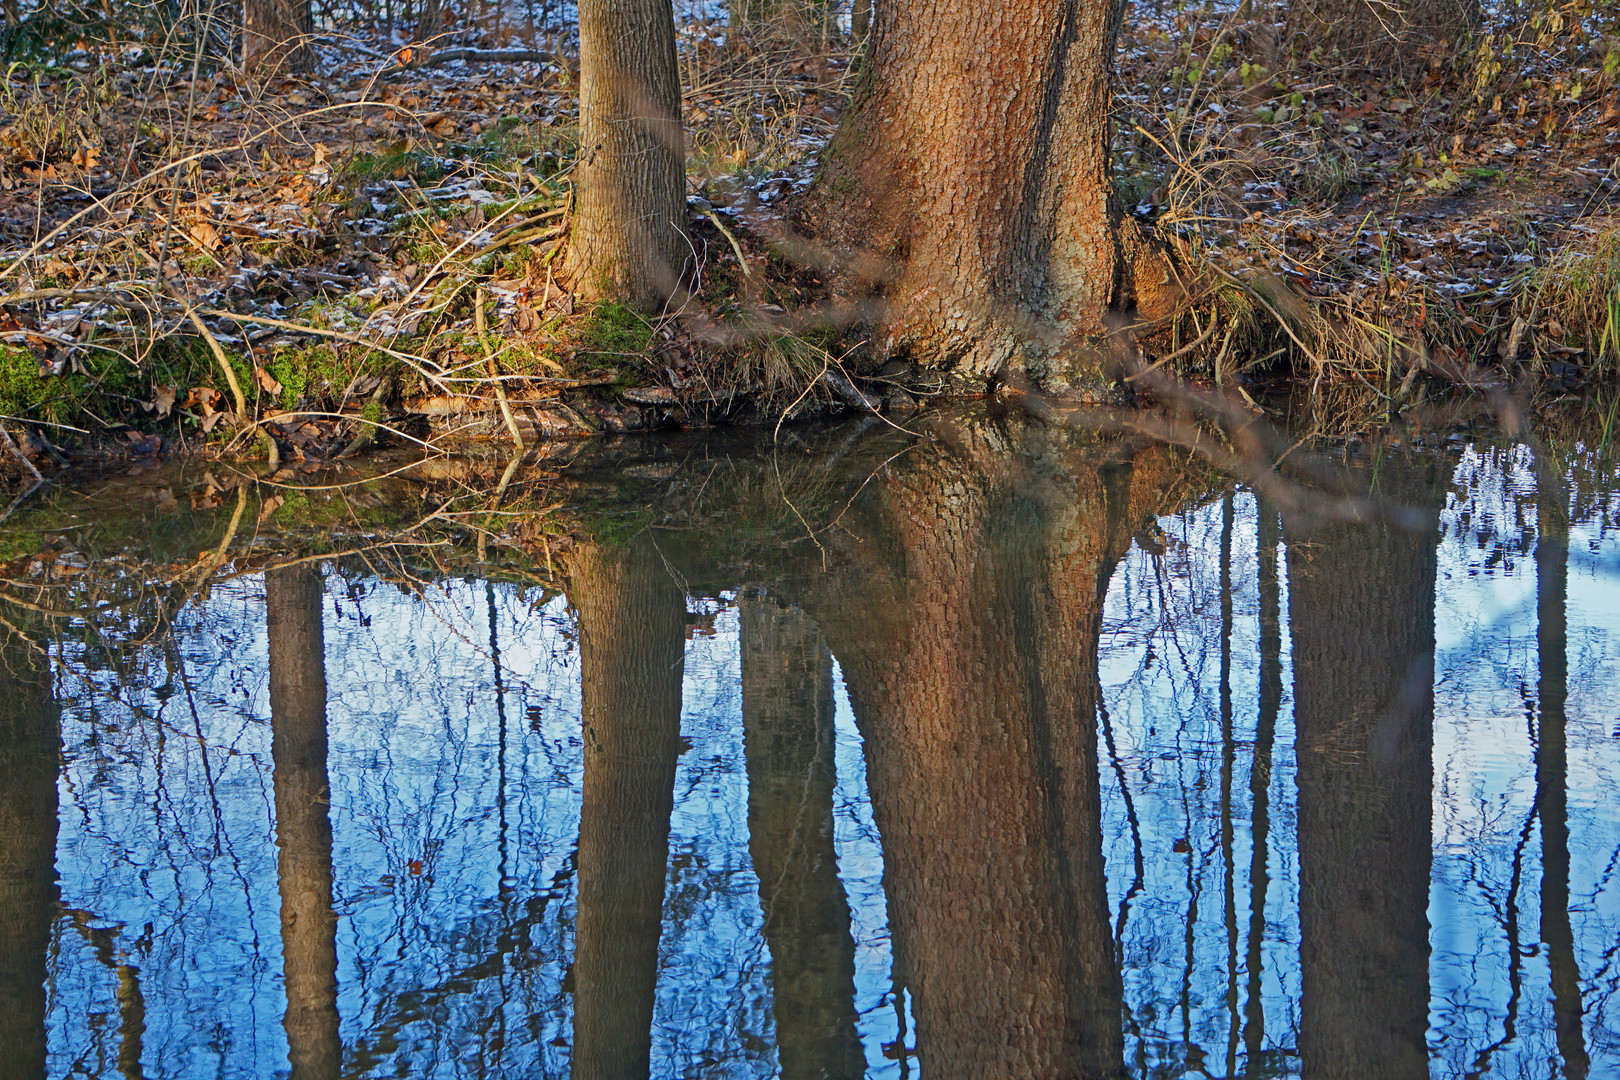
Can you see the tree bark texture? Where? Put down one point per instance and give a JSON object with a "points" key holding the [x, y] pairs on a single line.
{"points": [[293, 608], [30, 757], [629, 237], [1396, 37], [632, 642], [276, 36], [973, 173], [787, 698], [967, 625], [1361, 615]]}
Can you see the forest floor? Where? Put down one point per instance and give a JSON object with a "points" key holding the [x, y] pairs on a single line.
{"points": [[194, 262]]}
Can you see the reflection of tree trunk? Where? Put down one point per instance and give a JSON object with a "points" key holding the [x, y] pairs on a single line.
{"points": [[632, 621], [970, 657], [30, 753], [1361, 612], [788, 741], [1265, 729], [1552, 573], [293, 600]]}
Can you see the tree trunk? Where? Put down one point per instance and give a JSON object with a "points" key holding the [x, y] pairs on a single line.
{"points": [[629, 238], [971, 176], [1361, 614], [970, 659], [30, 756], [1395, 38], [276, 36], [788, 742], [1552, 768], [293, 603], [632, 628]]}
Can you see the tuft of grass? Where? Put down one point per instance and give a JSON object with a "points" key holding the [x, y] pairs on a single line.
{"points": [[1579, 288]]}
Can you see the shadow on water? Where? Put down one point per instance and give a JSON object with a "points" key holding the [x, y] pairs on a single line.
{"points": [[996, 749]]}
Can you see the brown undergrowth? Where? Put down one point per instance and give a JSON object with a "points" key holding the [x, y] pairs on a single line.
{"points": [[194, 260]]}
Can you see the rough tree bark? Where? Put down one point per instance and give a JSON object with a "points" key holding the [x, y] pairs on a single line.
{"points": [[629, 236], [969, 186], [293, 599], [1376, 34], [967, 623], [1361, 615], [787, 699], [276, 36], [30, 755], [632, 622]]}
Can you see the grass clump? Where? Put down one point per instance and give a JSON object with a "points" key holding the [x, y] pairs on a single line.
{"points": [[1576, 298]]}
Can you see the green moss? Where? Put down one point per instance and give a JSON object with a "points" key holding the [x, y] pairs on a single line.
{"points": [[615, 329], [21, 388], [398, 162], [307, 373]]}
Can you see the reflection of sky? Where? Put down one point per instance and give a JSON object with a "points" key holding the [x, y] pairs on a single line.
{"points": [[455, 817], [167, 849], [1160, 665]]}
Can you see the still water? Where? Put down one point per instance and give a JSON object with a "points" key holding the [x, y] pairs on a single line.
{"points": [[1002, 751]]}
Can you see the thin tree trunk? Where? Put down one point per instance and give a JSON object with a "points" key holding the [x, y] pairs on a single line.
{"points": [[632, 621], [276, 36], [1361, 613], [787, 698], [969, 184], [30, 757], [1265, 732], [1552, 769], [629, 238], [293, 607]]}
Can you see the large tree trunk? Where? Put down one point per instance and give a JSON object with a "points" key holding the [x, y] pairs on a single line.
{"points": [[1391, 37], [30, 755], [788, 742], [1361, 614], [967, 625], [276, 36], [293, 599], [632, 629], [972, 172], [629, 238]]}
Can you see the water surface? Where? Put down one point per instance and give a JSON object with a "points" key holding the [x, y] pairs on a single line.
{"points": [[1006, 751]]}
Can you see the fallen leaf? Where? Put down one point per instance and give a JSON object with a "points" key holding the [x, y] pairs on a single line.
{"points": [[270, 506], [162, 401], [205, 236], [266, 381]]}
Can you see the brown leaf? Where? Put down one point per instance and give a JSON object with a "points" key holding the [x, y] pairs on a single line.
{"points": [[144, 445], [162, 401], [270, 506], [205, 236], [266, 381]]}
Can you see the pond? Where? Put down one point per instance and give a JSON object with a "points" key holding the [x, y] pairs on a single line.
{"points": [[983, 749]]}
